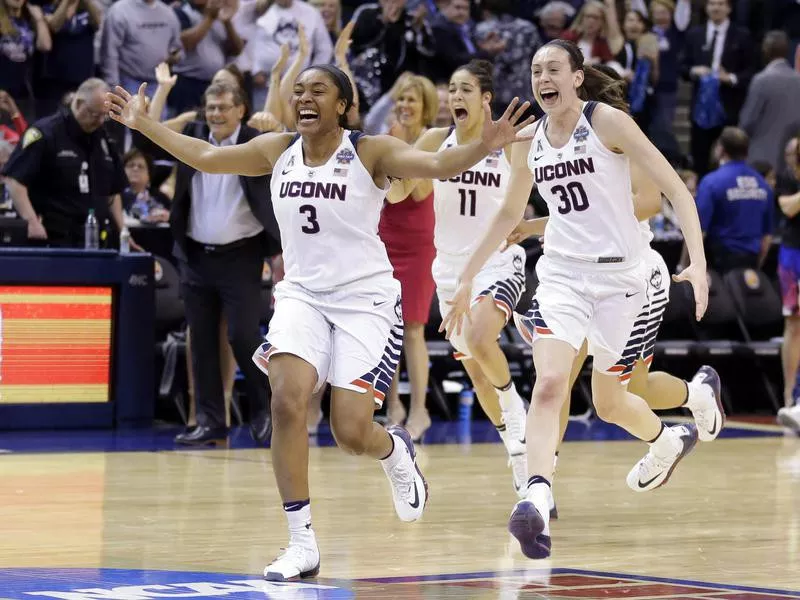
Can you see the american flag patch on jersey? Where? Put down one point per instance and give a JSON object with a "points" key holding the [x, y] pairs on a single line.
{"points": [[580, 149], [340, 172], [491, 162]]}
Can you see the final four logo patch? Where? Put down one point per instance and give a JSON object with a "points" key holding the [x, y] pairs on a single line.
{"points": [[581, 133], [345, 157]]}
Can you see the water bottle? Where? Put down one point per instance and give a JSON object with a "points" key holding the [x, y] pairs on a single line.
{"points": [[124, 240], [91, 235], [465, 400]]}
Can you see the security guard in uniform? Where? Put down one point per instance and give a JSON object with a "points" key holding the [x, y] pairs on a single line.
{"points": [[65, 165]]}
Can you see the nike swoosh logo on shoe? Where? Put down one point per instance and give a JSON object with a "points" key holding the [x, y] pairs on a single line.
{"points": [[714, 427], [415, 503], [644, 484]]}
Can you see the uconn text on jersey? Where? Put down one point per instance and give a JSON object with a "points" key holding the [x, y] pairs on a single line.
{"points": [[569, 168], [313, 189]]}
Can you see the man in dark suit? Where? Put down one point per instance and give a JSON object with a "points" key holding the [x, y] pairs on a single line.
{"points": [[726, 49], [224, 227]]}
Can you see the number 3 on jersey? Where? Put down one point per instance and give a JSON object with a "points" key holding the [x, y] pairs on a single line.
{"points": [[310, 211], [572, 197], [463, 194]]}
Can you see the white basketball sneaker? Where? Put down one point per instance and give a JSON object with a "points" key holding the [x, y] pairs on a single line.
{"points": [[790, 417], [705, 402], [297, 562], [655, 469], [514, 440], [409, 488]]}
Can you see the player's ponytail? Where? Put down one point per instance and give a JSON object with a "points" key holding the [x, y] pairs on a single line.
{"points": [[603, 84]]}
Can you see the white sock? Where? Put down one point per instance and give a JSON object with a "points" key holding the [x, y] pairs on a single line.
{"points": [[694, 391], [510, 400], [396, 455], [298, 514], [541, 496], [666, 443]]}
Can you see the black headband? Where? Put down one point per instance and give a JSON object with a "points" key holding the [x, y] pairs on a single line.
{"points": [[340, 78]]}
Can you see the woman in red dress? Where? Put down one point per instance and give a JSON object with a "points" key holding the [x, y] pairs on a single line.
{"points": [[406, 229]]}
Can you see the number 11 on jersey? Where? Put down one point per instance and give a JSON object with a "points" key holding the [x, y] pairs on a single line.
{"points": [[463, 194]]}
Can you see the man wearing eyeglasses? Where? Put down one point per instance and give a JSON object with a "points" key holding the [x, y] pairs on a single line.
{"points": [[224, 227], [65, 165]]}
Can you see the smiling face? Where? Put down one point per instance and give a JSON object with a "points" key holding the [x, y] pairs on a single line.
{"points": [[316, 102], [553, 80], [466, 99], [409, 108], [223, 115]]}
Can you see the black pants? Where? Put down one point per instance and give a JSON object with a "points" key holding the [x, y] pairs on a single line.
{"points": [[723, 260], [701, 144], [224, 280], [187, 94]]}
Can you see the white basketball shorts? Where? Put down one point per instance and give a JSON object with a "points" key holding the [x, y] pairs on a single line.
{"points": [[353, 337], [502, 278], [607, 307]]}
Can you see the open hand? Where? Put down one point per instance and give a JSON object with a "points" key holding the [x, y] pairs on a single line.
{"points": [[125, 108], [498, 134], [461, 304], [696, 275], [163, 76]]}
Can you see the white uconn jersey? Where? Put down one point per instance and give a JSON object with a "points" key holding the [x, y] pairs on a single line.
{"points": [[328, 218], [466, 204], [587, 188]]}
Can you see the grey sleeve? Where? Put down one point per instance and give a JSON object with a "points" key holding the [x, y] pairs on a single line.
{"points": [[753, 106], [112, 38]]}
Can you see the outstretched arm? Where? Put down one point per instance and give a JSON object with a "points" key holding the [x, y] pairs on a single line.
{"points": [[256, 157], [395, 158]]}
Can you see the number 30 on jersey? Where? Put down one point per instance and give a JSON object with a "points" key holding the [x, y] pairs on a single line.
{"points": [[571, 197]]}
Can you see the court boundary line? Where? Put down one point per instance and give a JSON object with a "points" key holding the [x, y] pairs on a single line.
{"points": [[470, 576]]}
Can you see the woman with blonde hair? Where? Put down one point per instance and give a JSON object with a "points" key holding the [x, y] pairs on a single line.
{"points": [[596, 32], [23, 29], [406, 229]]}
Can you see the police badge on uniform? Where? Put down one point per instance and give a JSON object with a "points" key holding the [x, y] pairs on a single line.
{"points": [[31, 135]]}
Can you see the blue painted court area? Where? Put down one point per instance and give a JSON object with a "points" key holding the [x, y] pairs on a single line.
{"points": [[124, 584], [158, 439]]}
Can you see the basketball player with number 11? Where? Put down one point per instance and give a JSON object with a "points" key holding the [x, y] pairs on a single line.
{"points": [[592, 279]]}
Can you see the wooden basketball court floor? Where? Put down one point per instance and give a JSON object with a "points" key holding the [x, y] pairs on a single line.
{"points": [[141, 520]]}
